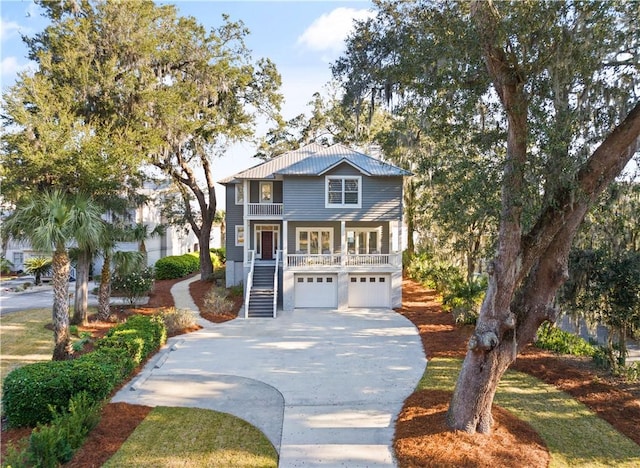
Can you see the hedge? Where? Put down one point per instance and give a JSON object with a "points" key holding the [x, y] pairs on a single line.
{"points": [[29, 391], [176, 266]]}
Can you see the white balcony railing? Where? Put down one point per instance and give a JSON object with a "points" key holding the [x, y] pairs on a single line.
{"points": [[265, 209], [324, 260]]}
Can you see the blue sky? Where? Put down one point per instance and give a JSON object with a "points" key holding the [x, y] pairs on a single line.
{"points": [[302, 37]]}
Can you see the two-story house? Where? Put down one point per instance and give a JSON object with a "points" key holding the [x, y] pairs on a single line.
{"points": [[318, 227]]}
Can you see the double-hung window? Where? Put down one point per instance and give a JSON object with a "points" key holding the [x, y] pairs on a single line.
{"points": [[343, 192], [240, 193]]}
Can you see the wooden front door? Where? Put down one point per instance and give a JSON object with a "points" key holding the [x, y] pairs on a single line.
{"points": [[267, 245]]}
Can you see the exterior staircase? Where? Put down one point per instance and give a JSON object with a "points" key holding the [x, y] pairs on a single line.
{"points": [[261, 296]]}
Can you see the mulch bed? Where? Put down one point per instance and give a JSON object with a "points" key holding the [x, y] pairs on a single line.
{"points": [[422, 437]]}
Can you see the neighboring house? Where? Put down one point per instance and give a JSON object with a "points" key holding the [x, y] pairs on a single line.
{"points": [[175, 241], [326, 221]]}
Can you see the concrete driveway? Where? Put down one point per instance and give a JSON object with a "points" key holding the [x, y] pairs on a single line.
{"points": [[324, 386]]}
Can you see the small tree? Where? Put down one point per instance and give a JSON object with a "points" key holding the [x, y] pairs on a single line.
{"points": [[38, 266], [50, 221]]}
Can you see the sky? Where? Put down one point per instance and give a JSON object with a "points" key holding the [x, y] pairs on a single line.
{"points": [[301, 37]]}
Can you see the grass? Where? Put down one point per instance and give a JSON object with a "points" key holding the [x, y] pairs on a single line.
{"points": [[574, 435], [191, 437], [24, 339]]}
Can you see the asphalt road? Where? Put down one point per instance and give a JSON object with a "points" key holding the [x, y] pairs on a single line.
{"points": [[36, 297]]}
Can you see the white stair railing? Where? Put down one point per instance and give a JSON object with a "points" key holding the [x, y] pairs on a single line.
{"points": [[247, 293], [275, 284]]}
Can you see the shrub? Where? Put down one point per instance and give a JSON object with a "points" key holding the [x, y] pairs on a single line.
{"points": [[140, 335], [464, 300], [236, 291], [133, 285], [29, 391], [50, 445], [176, 320], [216, 301], [437, 275], [221, 253], [552, 338], [176, 266]]}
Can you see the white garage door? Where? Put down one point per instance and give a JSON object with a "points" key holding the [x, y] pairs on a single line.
{"points": [[316, 291], [369, 290]]}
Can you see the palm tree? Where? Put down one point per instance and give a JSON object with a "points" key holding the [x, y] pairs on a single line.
{"points": [[141, 232], [50, 221], [38, 266]]}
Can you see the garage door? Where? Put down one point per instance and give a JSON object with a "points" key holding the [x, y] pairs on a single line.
{"points": [[369, 291], [316, 291]]}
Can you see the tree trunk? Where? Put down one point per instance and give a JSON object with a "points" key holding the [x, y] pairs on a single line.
{"points": [[60, 312], [81, 306], [104, 294], [527, 270], [410, 210], [206, 265]]}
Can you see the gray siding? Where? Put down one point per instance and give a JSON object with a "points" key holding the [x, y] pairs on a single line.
{"points": [[233, 219], [304, 198]]}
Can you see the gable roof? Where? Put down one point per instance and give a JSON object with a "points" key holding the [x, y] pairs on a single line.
{"points": [[316, 160]]}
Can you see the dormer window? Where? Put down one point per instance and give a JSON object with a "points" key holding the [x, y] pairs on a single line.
{"points": [[343, 191]]}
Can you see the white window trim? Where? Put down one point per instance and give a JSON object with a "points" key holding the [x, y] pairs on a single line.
{"points": [[275, 228], [239, 243], [239, 193], [310, 229], [358, 230], [270, 184], [342, 205]]}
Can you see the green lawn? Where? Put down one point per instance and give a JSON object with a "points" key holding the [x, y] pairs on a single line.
{"points": [[191, 437], [574, 435], [24, 339]]}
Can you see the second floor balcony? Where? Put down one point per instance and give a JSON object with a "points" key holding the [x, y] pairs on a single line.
{"points": [[264, 210]]}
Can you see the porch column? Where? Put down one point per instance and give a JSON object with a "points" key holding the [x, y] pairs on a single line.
{"points": [[343, 243], [285, 243]]}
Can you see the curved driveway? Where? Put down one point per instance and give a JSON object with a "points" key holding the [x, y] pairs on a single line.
{"points": [[324, 386]]}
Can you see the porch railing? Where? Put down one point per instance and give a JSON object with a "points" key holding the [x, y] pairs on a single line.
{"points": [[275, 283], [373, 259], [264, 209], [324, 260], [308, 260], [247, 293]]}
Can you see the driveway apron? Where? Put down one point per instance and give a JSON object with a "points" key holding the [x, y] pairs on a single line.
{"points": [[324, 386]]}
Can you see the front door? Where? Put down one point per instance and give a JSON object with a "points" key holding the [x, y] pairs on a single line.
{"points": [[267, 245]]}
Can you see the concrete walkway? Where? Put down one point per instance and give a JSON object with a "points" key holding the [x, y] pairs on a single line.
{"points": [[324, 386]]}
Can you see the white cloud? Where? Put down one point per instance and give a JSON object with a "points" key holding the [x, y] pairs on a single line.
{"points": [[328, 32], [10, 66], [8, 29]]}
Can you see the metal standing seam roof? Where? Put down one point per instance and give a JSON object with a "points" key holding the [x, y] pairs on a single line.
{"points": [[314, 160], [328, 158], [267, 169]]}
